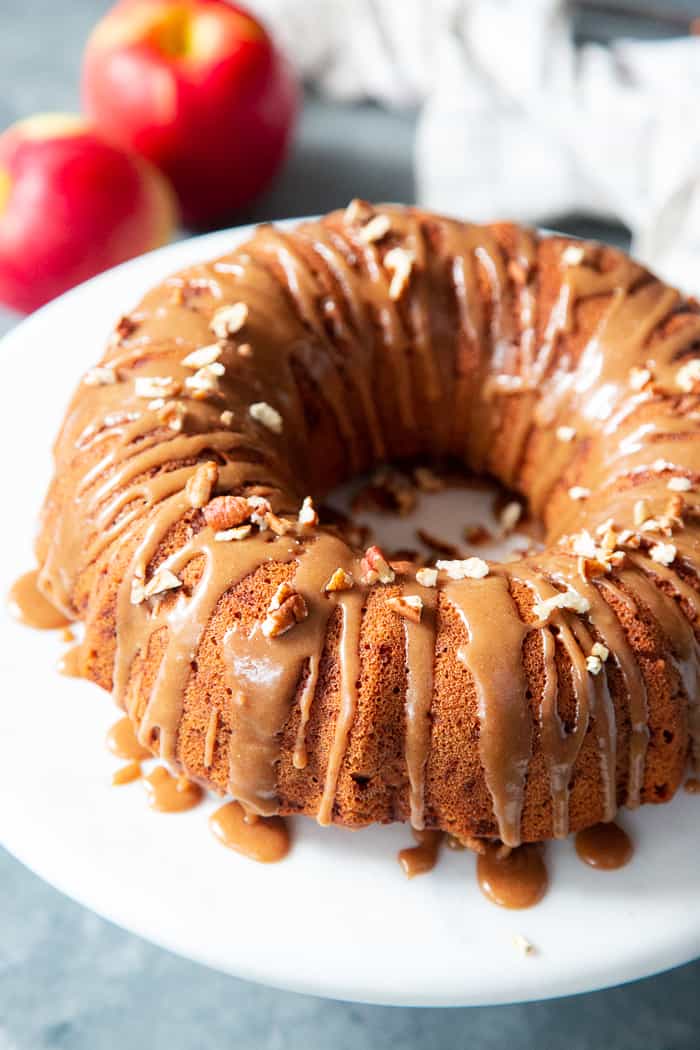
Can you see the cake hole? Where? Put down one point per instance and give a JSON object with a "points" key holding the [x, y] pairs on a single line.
{"points": [[465, 503]]}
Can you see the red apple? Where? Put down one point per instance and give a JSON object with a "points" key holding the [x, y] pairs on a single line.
{"points": [[71, 205], [197, 87]]}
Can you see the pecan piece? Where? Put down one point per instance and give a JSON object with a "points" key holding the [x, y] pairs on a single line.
{"points": [[286, 610], [340, 580], [308, 515], [225, 512], [200, 485], [376, 567], [410, 607]]}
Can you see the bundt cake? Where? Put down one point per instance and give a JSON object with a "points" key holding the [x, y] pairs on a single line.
{"points": [[255, 649]]}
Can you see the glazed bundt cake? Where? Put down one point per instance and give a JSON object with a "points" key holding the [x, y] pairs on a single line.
{"points": [[253, 647]]}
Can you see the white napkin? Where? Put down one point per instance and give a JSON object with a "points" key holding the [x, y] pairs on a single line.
{"points": [[515, 122]]}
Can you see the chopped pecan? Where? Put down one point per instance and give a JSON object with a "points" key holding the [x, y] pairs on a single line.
{"points": [[464, 568], [172, 414], [409, 606], [663, 553], [427, 577], [340, 580], [357, 211], [162, 580], [376, 567], [228, 320], [156, 386], [202, 356], [679, 484], [263, 413], [573, 255], [200, 485], [125, 327], [225, 512], [522, 944], [565, 433], [308, 515], [205, 381], [283, 592], [286, 609], [260, 509], [510, 516], [568, 599], [241, 532], [376, 229], [280, 526], [688, 376], [641, 511], [639, 377], [400, 262], [673, 509], [103, 375], [402, 566]]}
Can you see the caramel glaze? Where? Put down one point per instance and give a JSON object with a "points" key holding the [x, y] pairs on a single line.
{"points": [[417, 860], [512, 878], [127, 774], [265, 839], [169, 794], [483, 719], [29, 606], [121, 741], [71, 663], [604, 846]]}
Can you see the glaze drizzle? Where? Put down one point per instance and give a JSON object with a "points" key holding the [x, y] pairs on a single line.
{"points": [[495, 343]]}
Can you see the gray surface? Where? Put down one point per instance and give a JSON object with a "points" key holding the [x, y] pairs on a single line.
{"points": [[71, 980]]}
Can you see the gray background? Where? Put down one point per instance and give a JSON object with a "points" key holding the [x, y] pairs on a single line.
{"points": [[71, 980]]}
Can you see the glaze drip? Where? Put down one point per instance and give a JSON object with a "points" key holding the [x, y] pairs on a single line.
{"points": [[421, 858], [29, 606], [604, 846], [169, 794], [121, 741], [265, 839], [513, 879], [493, 657]]}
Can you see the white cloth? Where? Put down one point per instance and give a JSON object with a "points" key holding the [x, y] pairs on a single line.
{"points": [[515, 122]]}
